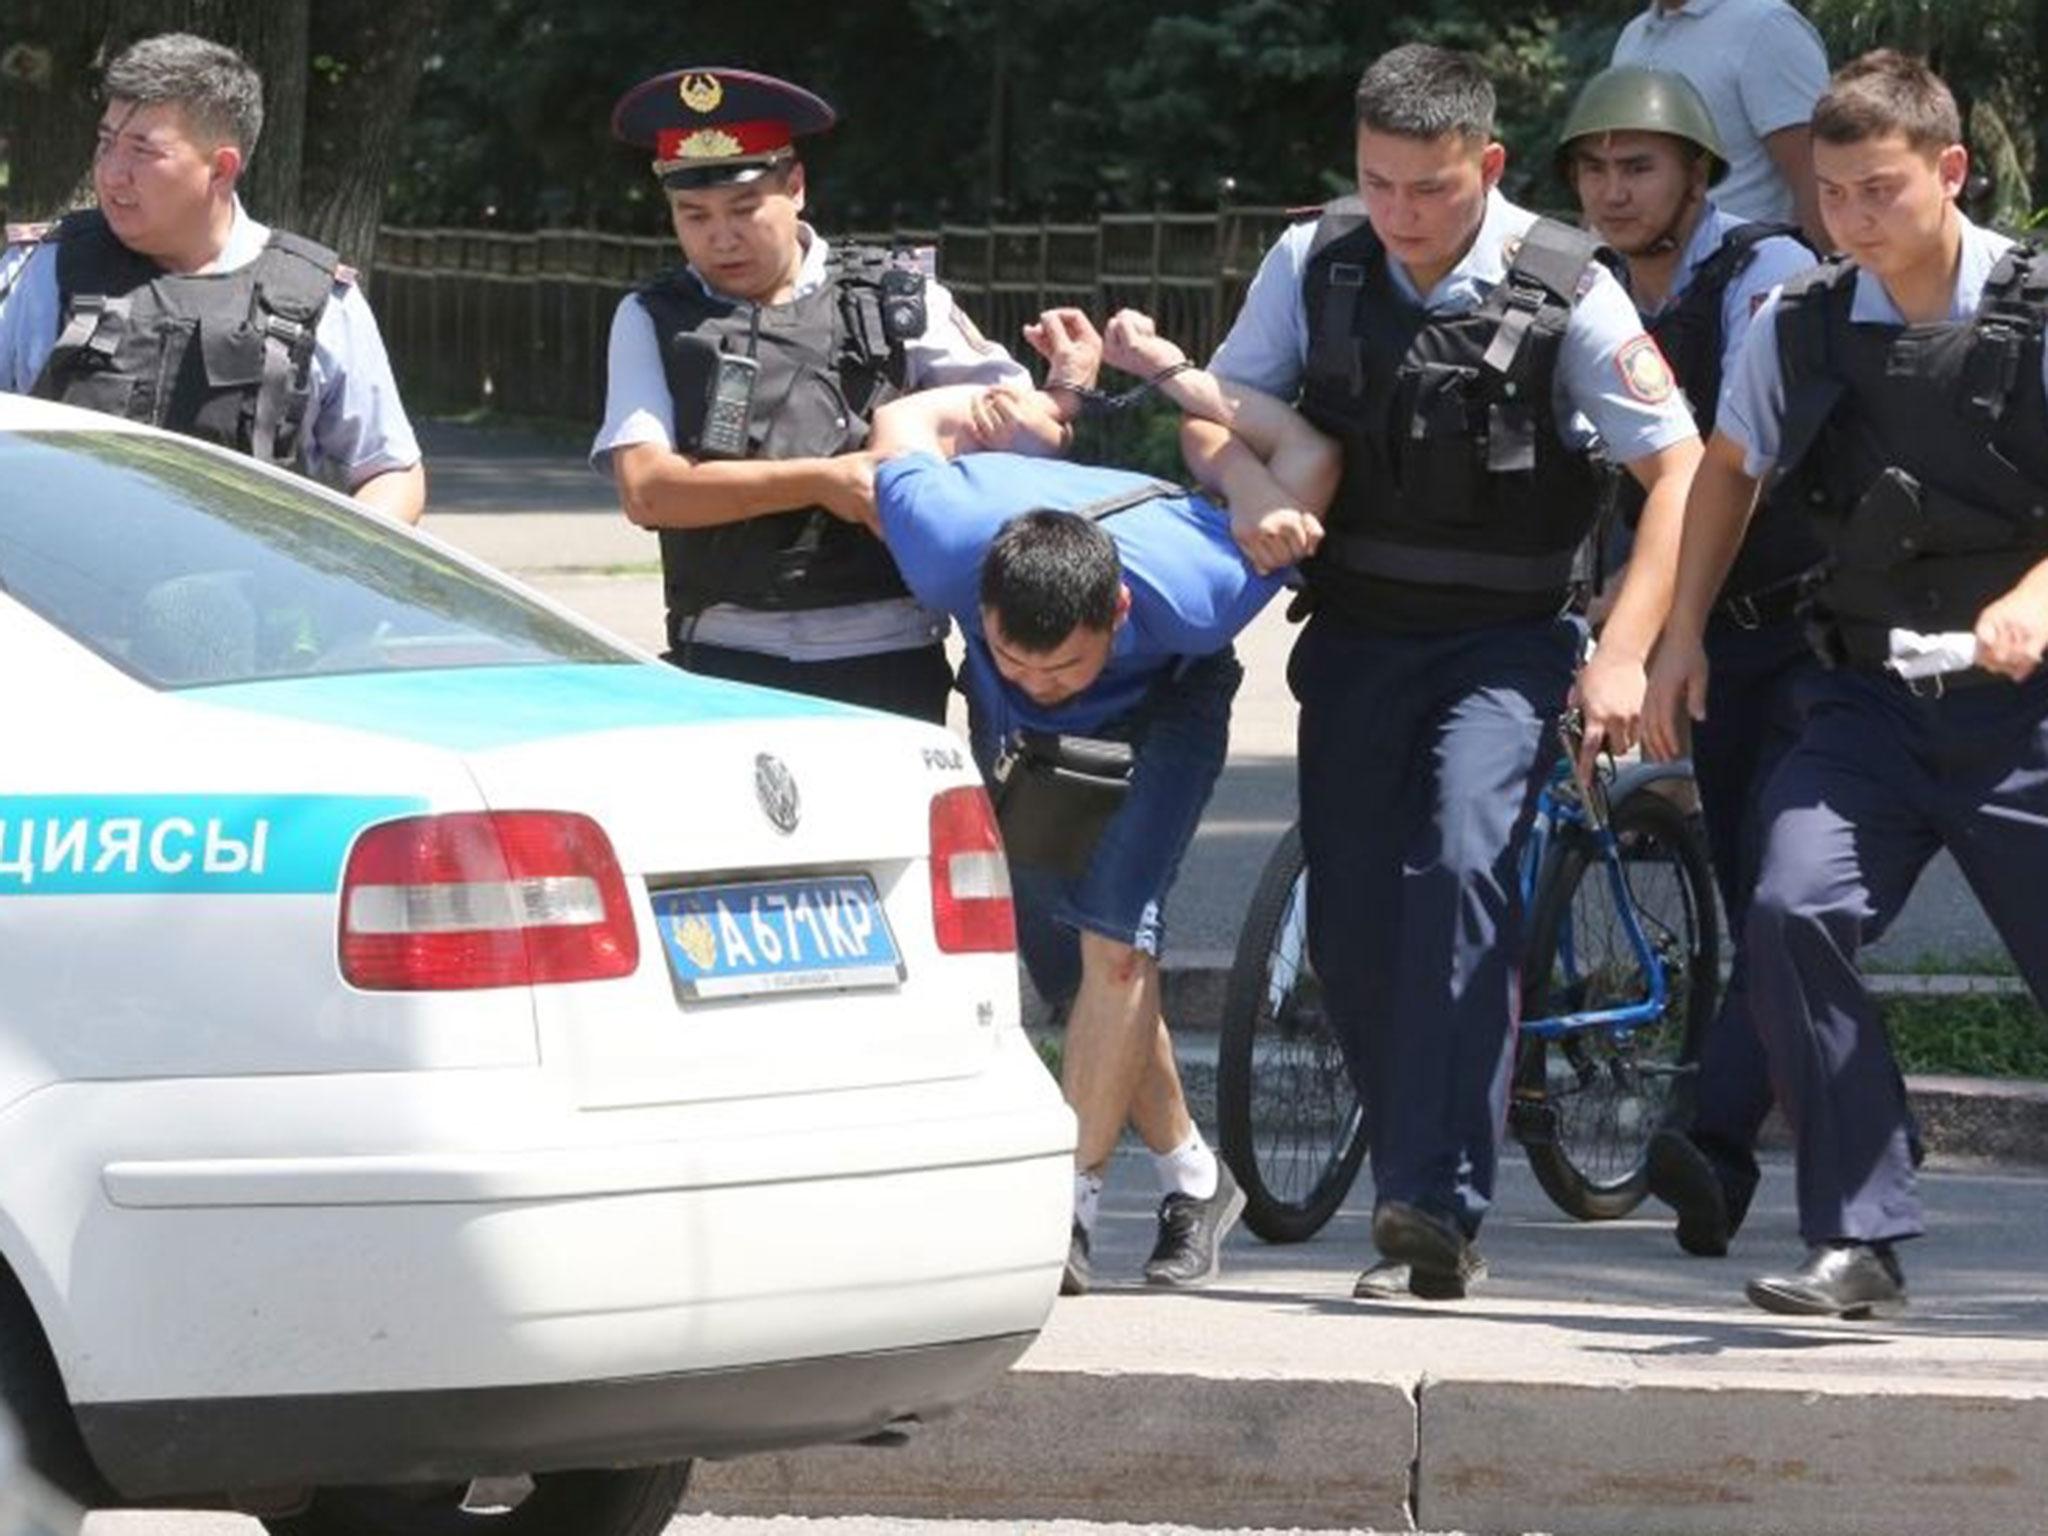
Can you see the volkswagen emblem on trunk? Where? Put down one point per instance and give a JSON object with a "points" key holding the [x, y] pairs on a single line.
{"points": [[776, 787]]}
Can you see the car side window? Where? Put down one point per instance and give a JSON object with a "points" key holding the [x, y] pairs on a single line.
{"points": [[187, 568]]}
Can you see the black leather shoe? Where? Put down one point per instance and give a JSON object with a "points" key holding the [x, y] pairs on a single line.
{"points": [[1837, 1280], [1191, 1233], [1684, 1179], [1442, 1263], [1392, 1280], [1080, 1271]]}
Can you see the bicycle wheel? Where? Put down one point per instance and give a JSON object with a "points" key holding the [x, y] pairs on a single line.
{"points": [[1587, 1100], [1288, 1120]]}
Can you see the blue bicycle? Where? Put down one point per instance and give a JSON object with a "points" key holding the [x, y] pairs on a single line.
{"points": [[1621, 973]]}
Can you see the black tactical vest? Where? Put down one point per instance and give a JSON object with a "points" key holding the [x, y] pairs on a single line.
{"points": [[1919, 451], [827, 361], [1779, 545], [1460, 504], [223, 356]]}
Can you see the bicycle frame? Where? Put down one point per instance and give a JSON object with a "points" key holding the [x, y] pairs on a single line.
{"points": [[1573, 800]]}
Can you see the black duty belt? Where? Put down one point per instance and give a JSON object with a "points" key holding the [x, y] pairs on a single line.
{"points": [[1771, 603], [1435, 566]]}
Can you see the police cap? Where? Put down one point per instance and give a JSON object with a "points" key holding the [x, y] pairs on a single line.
{"points": [[1630, 98], [711, 126]]}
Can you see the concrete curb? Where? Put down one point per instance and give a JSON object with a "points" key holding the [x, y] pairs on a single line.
{"points": [[1477, 1455], [1989, 1119]]}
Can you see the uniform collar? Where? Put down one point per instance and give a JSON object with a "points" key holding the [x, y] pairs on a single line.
{"points": [[810, 272], [1707, 235], [1480, 270], [1981, 250], [245, 242]]}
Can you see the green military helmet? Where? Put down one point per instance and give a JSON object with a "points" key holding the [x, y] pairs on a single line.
{"points": [[1629, 98]]}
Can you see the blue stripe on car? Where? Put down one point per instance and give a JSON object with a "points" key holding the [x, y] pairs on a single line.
{"points": [[130, 845]]}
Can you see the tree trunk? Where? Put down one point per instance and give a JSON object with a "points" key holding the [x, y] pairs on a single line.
{"points": [[357, 101]]}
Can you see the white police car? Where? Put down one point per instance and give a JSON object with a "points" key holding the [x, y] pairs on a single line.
{"points": [[438, 1044]]}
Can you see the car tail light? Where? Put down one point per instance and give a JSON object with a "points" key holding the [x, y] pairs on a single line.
{"points": [[484, 899], [971, 907]]}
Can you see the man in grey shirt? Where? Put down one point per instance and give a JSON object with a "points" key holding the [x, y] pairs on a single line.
{"points": [[1761, 66]]}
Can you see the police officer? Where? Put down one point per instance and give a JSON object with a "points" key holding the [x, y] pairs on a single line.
{"points": [[1899, 394], [1459, 348], [168, 303], [739, 392], [1640, 152]]}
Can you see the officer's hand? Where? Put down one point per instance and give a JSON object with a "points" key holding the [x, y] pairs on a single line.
{"points": [[1132, 344], [1676, 696], [1275, 537], [2012, 633], [849, 492], [1068, 341], [1005, 420], [1609, 694]]}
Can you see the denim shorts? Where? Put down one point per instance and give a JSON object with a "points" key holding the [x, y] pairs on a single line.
{"points": [[1181, 733]]}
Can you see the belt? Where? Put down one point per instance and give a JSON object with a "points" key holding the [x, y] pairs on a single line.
{"points": [[1771, 603]]}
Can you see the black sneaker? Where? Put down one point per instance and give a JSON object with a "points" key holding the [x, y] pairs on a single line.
{"points": [[1080, 1272], [1442, 1263], [1191, 1233]]}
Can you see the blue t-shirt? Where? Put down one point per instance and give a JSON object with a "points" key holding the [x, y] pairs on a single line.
{"points": [[1191, 591]]}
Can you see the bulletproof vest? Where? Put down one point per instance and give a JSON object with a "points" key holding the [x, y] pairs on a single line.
{"points": [[1778, 545], [826, 361], [1459, 503], [222, 356], [1919, 452]]}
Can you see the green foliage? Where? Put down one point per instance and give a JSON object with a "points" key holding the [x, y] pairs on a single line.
{"points": [[1989, 51], [956, 108], [1986, 1035]]}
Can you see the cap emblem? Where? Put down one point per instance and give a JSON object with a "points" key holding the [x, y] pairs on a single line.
{"points": [[709, 144], [701, 93]]}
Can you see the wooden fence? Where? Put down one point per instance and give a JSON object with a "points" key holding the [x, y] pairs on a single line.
{"points": [[519, 322]]}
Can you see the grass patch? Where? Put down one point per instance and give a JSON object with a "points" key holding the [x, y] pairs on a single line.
{"points": [[1972, 1036], [1973, 962]]}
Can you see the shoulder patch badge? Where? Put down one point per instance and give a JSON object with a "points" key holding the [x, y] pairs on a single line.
{"points": [[1644, 372]]}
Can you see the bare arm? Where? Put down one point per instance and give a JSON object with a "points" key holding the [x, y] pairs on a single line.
{"points": [[662, 489], [1269, 523], [1610, 690], [1791, 151], [400, 494], [1717, 513], [1301, 462]]}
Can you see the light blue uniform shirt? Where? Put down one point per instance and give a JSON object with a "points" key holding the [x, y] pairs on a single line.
{"points": [[356, 426], [1267, 347], [1771, 261], [1760, 66], [1191, 590], [1753, 404], [638, 408]]}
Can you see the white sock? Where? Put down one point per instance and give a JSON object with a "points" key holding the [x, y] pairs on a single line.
{"points": [[1087, 1198], [1189, 1169]]}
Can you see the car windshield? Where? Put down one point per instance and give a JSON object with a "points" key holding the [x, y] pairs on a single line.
{"points": [[187, 567]]}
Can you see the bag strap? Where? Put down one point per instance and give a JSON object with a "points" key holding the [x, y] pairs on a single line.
{"points": [[1123, 501]]}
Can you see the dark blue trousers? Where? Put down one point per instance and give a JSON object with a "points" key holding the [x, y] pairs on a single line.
{"points": [[1753, 718], [1880, 780], [1420, 759]]}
